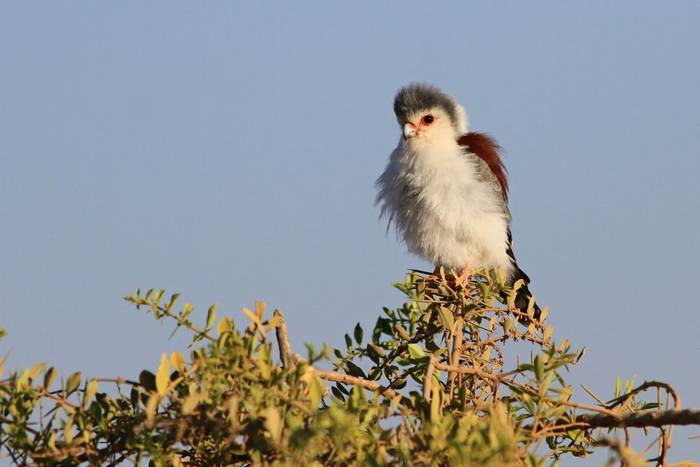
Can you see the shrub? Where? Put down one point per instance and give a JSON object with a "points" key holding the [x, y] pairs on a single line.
{"points": [[439, 380]]}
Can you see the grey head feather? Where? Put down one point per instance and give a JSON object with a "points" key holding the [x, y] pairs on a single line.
{"points": [[420, 97]]}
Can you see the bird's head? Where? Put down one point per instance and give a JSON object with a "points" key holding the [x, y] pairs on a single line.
{"points": [[428, 116]]}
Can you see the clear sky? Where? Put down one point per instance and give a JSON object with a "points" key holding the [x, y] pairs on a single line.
{"points": [[228, 150]]}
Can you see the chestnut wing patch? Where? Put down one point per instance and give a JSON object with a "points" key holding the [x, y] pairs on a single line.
{"points": [[486, 149]]}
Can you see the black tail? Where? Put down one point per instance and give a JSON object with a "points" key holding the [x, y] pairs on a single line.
{"points": [[522, 300], [523, 295]]}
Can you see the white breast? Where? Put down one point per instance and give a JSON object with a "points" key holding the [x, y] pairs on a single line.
{"points": [[442, 210]]}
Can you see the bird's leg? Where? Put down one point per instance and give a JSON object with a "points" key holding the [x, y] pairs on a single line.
{"points": [[439, 273], [463, 277]]}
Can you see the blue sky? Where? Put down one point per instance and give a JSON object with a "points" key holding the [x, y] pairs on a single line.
{"points": [[228, 150]]}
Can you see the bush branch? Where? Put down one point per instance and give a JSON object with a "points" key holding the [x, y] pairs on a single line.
{"points": [[287, 357], [641, 420]]}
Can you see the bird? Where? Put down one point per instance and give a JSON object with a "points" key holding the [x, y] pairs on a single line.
{"points": [[446, 190]]}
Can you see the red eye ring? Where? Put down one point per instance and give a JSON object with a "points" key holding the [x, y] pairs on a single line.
{"points": [[427, 119]]}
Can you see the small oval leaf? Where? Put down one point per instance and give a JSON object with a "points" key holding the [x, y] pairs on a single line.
{"points": [[539, 368], [73, 382], [163, 375], [358, 334], [49, 377], [211, 317], [178, 361], [415, 351], [90, 392], [147, 380]]}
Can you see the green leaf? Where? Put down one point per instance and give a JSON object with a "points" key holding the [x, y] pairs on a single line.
{"points": [[518, 284], [510, 301], [446, 318], [50, 377], [163, 375], [23, 380], [263, 363], [151, 408], [354, 370], [90, 392], [186, 311], [147, 380], [339, 395], [383, 325], [376, 349], [273, 424], [400, 383], [68, 430], [191, 403], [547, 382], [435, 403], [415, 351], [539, 368], [260, 309], [315, 392], [402, 332], [73, 382], [224, 326], [158, 296], [547, 334], [211, 317], [173, 299], [358, 334], [36, 369], [507, 326], [178, 361], [485, 293], [233, 404]]}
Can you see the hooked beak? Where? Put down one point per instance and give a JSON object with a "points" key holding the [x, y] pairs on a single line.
{"points": [[409, 130]]}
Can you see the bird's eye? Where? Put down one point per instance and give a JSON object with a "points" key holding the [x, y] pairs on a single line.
{"points": [[428, 119]]}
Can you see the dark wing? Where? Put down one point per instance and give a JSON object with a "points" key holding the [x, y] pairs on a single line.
{"points": [[518, 273], [523, 295], [486, 149]]}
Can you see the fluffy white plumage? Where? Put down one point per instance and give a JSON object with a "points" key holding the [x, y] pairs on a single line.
{"points": [[443, 205]]}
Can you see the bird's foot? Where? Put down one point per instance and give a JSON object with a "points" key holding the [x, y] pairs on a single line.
{"points": [[463, 277], [439, 274]]}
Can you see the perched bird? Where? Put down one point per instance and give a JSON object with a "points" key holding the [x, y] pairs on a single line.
{"points": [[446, 189]]}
